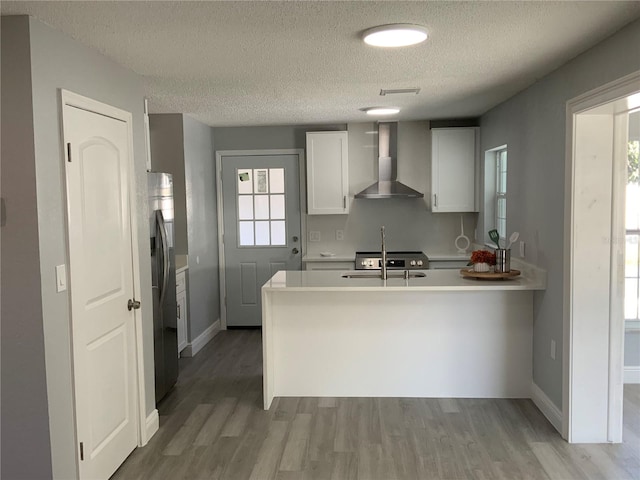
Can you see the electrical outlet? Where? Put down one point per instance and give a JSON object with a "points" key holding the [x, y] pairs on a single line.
{"points": [[339, 234], [553, 349], [314, 236], [521, 248]]}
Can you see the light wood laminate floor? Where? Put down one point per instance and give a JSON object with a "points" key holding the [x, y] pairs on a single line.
{"points": [[212, 426]]}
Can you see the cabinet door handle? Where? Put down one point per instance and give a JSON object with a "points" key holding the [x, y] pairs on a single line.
{"points": [[435, 199], [178, 310], [344, 202]]}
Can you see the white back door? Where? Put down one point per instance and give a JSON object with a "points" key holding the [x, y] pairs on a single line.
{"points": [[261, 203], [101, 284]]}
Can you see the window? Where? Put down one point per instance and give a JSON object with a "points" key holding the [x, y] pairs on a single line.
{"points": [[261, 207], [495, 192], [501, 193], [632, 224]]}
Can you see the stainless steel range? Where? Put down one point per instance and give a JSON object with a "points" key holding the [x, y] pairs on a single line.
{"points": [[395, 261]]}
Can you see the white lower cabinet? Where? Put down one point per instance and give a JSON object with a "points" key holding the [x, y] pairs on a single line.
{"points": [[181, 300]]}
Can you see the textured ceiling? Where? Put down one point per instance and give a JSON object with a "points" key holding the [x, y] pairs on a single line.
{"points": [[300, 62]]}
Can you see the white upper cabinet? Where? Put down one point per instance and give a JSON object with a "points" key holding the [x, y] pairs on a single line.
{"points": [[453, 169], [327, 173]]}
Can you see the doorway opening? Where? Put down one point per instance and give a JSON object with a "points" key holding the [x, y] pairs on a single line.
{"points": [[632, 255], [596, 176]]}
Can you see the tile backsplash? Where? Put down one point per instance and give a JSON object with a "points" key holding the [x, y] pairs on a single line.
{"points": [[409, 226]]}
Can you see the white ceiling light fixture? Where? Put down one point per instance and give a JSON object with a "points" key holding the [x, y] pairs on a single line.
{"points": [[381, 110], [395, 35]]}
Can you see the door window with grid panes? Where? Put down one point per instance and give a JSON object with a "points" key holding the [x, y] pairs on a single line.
{"points": [[261, 207]]}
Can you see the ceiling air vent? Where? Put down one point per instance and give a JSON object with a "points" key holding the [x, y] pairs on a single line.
{"points": [[399, 91]]}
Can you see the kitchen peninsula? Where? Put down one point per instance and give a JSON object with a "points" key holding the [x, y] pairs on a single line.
{"points": [[440, 335]]}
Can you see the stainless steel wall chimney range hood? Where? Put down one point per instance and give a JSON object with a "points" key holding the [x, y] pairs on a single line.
{"points": [[387, 185]]}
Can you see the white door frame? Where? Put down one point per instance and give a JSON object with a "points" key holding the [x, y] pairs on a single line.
{"points": [[618, 90], [88, 104], [303, 208]]}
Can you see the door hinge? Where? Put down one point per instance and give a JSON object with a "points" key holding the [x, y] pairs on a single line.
{"points": [[68, 152], [81, 450]]}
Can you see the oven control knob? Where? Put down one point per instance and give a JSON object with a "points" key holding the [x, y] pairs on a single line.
{"points": [[371, 263], [413, 263], [363, 263], [419, 263]]}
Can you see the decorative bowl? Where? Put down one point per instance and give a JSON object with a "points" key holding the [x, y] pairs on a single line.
{"points": [[481, 267]]}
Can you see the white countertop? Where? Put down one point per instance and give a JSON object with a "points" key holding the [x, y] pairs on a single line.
{"points": [[434, 280]]}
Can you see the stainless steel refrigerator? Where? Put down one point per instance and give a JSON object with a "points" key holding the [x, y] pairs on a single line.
{"points": [[163, 278]]}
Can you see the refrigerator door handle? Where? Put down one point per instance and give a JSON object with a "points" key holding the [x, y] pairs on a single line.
{"points": [[165, 253]]}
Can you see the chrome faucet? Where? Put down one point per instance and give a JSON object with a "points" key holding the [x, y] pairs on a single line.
{"points": [[383, 270]]}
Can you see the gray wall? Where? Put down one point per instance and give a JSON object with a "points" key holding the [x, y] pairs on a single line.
{"points": [[202, 226], [58, 62], [266, 138], [532, 124], [167, 155], [26, 448]]}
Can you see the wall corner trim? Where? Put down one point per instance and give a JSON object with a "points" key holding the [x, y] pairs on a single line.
{"points": [[151, 426], [547, 407], [632, 374], [201, 340]]}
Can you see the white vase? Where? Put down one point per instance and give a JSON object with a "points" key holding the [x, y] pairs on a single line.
{"points": [[481, 267]]}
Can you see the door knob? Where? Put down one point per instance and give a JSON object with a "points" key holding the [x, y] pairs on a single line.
{"points": [[133, 304], [295, 251]]}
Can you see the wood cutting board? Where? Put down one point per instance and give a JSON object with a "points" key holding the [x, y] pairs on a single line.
{"points": [[466, 272]]}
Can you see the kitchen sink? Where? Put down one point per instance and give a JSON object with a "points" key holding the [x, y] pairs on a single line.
{"points": [[390, 274]]}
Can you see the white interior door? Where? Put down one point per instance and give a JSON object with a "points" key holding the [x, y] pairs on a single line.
{"points": [[101, 284], [261, 196]]}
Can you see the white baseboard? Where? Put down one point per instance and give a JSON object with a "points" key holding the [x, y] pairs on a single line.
{"points": [[631, 374], [547, 407], [152, 425], [201, 340]]}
